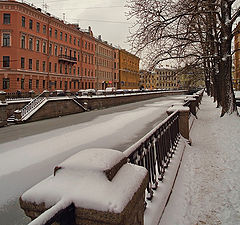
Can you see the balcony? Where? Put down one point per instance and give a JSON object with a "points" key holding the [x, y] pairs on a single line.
{"points": [[68, 59]]}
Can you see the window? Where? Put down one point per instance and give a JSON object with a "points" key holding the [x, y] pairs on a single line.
{"points": [[50, 32], [22, 84], [70, 69], [6, 61], [30, 44], [6, 18], [78, 43], [74, 41], [61, 50], [65, 68], [37, 65], [50, 67], [22, 63], [30, 24], [23, 41], [37, 84], [44, 84], [30, 64], [37, 45], [6, 39], [65, 51], [60, 35], [23, 21], [65, 85], [61, 68], [56, 33], [38, 27], [78, 70], [55, 67], [44, 29], [70, 39], [6, 83], [44, 47], [60, 84], [30, 84], [44, 66], [55, 50], [50, 49], [65, 37]]}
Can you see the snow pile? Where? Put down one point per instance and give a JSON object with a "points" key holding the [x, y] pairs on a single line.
{"points": [[81, 180], [207, 190]]}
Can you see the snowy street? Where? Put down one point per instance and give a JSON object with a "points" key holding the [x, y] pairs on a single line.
{"points": [[207, 189], [25, 160]]}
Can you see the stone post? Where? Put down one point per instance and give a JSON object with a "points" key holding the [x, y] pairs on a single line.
{"points": [[183, 119], [192, 106], [18, 115], [120, 186], [197, 97], [2, 96]]}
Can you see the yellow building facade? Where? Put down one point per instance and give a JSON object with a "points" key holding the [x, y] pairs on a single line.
{"points": [[148, 80], [129, 77], [236, 74], [166, 79]]}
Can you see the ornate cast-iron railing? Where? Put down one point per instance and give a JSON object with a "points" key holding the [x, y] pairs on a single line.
{"points": [[155, 150]]}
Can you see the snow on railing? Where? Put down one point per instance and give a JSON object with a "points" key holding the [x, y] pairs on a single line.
{"points": [[155, 150]]}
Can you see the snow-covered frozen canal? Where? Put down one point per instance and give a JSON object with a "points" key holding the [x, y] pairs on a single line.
{"points": [[29, 152]]}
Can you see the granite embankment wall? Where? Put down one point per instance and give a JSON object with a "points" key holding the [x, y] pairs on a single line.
{"points": [[61, 106]]}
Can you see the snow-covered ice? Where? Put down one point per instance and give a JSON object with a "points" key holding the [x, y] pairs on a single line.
{"points": [[207, 189]]}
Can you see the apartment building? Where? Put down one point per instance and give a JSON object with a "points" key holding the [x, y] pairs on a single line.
{"points": [[128, 70], [104, 64], [148, 80], [39, 51], [166, 78]]}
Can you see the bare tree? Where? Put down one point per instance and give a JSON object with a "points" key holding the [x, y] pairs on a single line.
{"points": [[193, 32]]}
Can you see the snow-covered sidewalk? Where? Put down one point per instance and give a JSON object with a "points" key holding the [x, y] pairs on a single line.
{"points": [[207, 189]]}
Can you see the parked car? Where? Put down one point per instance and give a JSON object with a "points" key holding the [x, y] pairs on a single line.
{"points": [[110, 89]]}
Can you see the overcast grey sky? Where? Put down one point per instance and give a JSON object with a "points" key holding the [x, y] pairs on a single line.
{"points": [[106, 17]]}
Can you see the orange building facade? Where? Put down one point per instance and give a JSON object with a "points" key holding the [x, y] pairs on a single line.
{"points": [[39, 52]]}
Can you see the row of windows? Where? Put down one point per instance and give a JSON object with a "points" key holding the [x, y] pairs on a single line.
{"points": [[62, 68], [104, 74], [105, 52], [43, 47], [104, 62], [57, 34], [60, 84]]}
